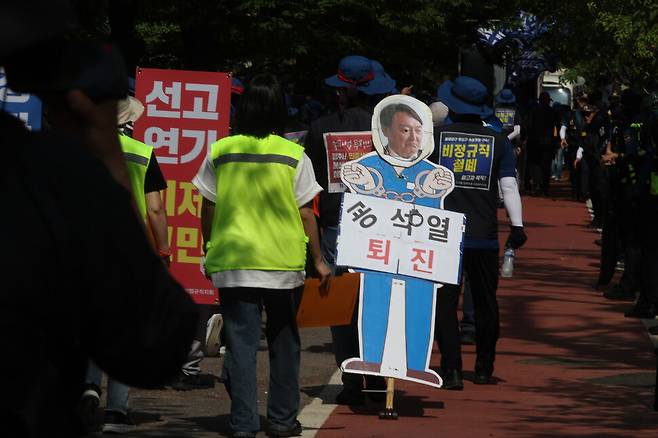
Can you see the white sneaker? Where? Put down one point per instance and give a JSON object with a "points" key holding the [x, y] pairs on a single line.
{"points": [[213, 330]]}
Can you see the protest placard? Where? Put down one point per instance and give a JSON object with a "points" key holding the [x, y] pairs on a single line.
{"points": [[400, 238], [342, 147]]}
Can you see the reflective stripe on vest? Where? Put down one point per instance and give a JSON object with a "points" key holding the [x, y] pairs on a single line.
{"points": [[137, 156], [256, 224], [256, 158]]}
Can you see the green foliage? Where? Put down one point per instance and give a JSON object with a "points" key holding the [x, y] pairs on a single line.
{"points": [[605, 41], [416, 40]]}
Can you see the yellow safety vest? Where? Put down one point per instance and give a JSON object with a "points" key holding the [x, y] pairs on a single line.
{"points": [[256, 224], [137, 156]]}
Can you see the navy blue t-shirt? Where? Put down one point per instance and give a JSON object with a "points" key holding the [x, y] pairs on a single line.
{"points": [[478, 157]]}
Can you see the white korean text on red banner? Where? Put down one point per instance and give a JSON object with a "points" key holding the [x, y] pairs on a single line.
{"points": [[185, 112]]}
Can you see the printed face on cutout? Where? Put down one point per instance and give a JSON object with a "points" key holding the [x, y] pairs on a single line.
{"points": [[405, 135], [402, 130]]}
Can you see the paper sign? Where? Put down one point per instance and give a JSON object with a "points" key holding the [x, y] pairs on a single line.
{"points": [[469, 156], [400, 238], [342, 147], [336, 308], [506, 117]]}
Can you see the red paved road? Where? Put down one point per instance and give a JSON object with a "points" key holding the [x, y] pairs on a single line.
{"points": [[568, 363]]}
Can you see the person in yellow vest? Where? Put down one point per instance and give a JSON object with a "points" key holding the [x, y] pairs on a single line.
{"points": [[257, 218], [146, 181]]}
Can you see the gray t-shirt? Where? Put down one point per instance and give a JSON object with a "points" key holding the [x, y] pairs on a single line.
{"points": [[306, 188]]}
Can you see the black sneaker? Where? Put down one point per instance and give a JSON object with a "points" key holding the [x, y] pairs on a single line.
{"points": [[653, 330], [452, 380], [483, 374], [194, 381], [617, 292], [294, 430], [482, 378], [88, 405], [118, 423]]}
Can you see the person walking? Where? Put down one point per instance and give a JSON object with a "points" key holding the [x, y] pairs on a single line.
{"points": [[543, 124], [146, 182], [480, 159], [356, 85], [80, 263], [257, 217]]}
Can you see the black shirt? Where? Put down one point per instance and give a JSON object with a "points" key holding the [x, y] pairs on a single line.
{"points": [[352, 119], [476, 191]]}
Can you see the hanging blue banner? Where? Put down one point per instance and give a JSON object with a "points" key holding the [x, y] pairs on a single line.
{"points": [[26, 107]]}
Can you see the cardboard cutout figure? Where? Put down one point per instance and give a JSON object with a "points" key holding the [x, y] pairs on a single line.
{"points": [[396, 311]]}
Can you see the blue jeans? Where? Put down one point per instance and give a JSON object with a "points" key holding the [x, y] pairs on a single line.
{"points": [[241, 309], [557, 164], [117, 392]]}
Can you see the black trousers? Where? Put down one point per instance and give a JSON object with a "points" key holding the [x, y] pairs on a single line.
{"points": [[539, 166], [632, 234], [481, 266], [649, 250], [610, 241]]}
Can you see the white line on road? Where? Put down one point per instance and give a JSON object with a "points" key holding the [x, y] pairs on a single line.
{"points": [[316, 413]]}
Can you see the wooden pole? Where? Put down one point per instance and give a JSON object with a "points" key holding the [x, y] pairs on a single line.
{"points": [[390, 392], [389, 413]]}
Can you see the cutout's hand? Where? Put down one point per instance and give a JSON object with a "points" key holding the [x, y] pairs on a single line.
{"points": [[438, 179], [358, 174]]}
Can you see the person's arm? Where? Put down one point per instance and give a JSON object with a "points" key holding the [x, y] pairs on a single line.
{"points": [[311, 230], [157, 217], [207, 212], [515, 133], [512, 200], [563, 137], [306, 188], [511, 197], [154, 182]]}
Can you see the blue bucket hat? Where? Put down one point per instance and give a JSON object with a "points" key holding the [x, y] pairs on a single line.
{"points": [[381, 75], [505, 97], [357, 71], [236, 86], [465, 96]]}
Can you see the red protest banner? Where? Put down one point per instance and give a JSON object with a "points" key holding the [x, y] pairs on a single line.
{"points": [[342, 147], [185, 112]]}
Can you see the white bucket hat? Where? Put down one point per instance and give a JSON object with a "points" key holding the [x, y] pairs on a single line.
{"points": [[129, 110]]}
